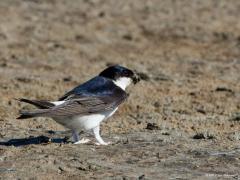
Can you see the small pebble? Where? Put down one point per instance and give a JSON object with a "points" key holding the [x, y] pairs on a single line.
{"points": [[152, 126]]}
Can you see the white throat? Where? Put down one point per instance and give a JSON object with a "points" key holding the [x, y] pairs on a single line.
{"points": [[123, 82]]}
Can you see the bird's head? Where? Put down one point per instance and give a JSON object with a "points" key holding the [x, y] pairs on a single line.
{"points": [[120, 75]]}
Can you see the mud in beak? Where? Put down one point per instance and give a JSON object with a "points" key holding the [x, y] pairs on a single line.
{"points": [[136, 78]]}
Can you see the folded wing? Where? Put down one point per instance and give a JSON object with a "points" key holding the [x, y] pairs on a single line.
{"points": [[76, 105], [95, 96]]}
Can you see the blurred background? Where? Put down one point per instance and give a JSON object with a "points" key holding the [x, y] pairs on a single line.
{"points": [[182, 120]]}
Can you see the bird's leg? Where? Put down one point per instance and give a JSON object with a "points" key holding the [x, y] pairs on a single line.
{"points": [[99, 139], [76, 138]]}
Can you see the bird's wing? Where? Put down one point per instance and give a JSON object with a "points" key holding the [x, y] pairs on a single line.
{"points": [[95, 86], [86, 105], [95, 96]]}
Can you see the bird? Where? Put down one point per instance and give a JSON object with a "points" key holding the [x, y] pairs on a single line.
{"points": [[84, 107]]}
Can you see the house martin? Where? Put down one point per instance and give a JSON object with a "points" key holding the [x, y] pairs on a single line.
{"points": [[87, 105]]}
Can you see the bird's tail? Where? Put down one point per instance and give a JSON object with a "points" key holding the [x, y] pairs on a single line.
{"points": [[30, 114], [43, 105]]}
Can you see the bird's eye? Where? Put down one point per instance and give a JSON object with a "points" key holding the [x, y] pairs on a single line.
{"points": [[125, 73]]}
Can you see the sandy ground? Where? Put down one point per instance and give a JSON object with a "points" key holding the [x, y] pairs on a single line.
{"points": [[182, 121]]}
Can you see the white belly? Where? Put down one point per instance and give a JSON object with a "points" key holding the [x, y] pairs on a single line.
{"points": [[85, 122]]}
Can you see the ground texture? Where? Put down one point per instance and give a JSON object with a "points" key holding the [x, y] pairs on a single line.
{"points": [[182, 121]]}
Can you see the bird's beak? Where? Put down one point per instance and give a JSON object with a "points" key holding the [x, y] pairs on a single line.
{"points": [[136, 78]]}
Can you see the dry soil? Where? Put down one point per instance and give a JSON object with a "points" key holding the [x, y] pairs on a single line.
{"points": [[182, 121]]}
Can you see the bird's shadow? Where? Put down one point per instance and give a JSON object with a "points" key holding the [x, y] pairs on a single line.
{"points": [[32, 140]]}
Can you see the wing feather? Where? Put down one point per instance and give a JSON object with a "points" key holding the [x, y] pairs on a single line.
{"points": [[95, 96], [86, 105]]}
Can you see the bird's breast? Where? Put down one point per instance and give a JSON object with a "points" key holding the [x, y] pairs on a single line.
{"points": [[86, 122]]}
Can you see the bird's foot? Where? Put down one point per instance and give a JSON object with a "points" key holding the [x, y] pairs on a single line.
{"points": [[103, 143], [82, 141]]}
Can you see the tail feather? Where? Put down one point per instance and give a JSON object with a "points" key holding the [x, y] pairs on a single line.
{"points": [[25, 116], [38, 103], [33, 113], [43, 105]]}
